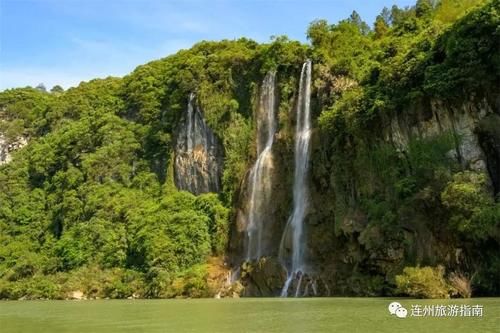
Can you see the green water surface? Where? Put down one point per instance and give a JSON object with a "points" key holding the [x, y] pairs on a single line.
{"points": [[238, 315]]}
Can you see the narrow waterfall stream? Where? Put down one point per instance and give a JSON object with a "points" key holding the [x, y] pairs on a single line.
{"points": [[198, 153], [260, 174], [294, 229], [190, 123]]}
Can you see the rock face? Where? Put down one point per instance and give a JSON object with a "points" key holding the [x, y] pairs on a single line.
{"points": [[462, 122], [263, 277], [474, 125], [77, 295], [8, 146], [352, 256], [488, 133], [198, 153], [357, 257]]}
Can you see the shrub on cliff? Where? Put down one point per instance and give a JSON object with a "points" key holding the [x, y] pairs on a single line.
{"points": [[423, 282], [218, 226], [190, 283], [473, 211], [461, 284]]}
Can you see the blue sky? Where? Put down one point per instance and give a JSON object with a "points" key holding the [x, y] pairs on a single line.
{"points": [[67, 41]]}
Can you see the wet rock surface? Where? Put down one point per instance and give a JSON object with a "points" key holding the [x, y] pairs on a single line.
{"points": [[264, 277], [198, 153]]}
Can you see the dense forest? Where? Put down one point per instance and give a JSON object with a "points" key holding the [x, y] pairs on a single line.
{"points": [[405, 165]]}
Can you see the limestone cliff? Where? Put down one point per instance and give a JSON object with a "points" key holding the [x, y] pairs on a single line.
{"points": [[357, 257], [8, 146], [472, 124], [351, 256], [198, 153]]}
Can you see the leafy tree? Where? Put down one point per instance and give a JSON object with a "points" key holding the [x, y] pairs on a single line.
{"points": [[423, 282], [381, 28], [473, 211], [41, 87], [423, 8], [356, 20], [57, 89]]}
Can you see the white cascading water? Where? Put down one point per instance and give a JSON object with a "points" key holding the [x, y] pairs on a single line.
{"points": [[198, 155], [260, 174], [190, 123], [294, 227]]}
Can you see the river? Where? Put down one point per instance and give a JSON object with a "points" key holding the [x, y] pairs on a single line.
{"points": [[238, 316]]}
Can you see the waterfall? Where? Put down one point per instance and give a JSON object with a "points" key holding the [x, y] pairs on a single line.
{"points": [[260, 174], [198, 153], [190, 123], [294, 227]]}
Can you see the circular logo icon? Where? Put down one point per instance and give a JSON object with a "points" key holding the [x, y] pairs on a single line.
{"points": [[401, 312], [395, 308]]}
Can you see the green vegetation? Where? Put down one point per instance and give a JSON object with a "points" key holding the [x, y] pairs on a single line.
{"points": [[396, 184], [473, 211], [423, 282], [430, 282], [89, 204]]}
